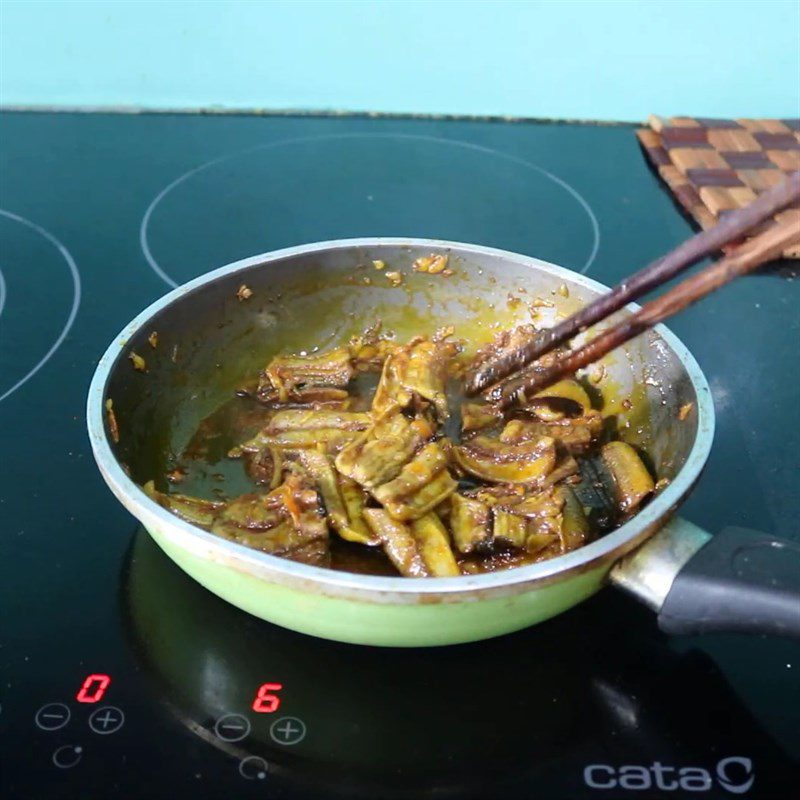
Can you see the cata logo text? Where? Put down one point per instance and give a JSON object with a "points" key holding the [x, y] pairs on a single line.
{"points": [[734, 774]]}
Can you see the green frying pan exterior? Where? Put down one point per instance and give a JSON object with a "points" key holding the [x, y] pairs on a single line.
{"points": [[361, 621], [318, 294]]}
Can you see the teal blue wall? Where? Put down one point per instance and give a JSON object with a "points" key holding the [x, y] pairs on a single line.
{"points": [[592, 59]]}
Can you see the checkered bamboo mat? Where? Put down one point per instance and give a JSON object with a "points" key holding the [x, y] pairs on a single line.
{"points": [[714, 166]]}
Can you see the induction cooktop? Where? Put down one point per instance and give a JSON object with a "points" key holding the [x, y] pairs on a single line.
{"points": [[120, 677]]}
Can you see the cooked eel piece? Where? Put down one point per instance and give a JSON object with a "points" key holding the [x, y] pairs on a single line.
{"points": [[477, 416], [576, 435], [328, 368], [544, 505], [309, 419], [498, 462], [565, 398], [495, 561], [499, 494], [558, 403], [398, 543], [191, 509], [284, 373], [566, 469], [303, 397], [355, 499], [421, 485], [543, 542], [344, 515], [547, 523], [300, 532], [301, 428], [287, 521], [632, 480], [428, 462], [508, 528], [434, 546], [533, 524], [575, 528], [369, 350], [265, 466], [426, 499], [335, 438], [378, 455], [417, 370], [469, 523]]}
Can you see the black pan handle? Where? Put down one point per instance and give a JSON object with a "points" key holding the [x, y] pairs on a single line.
{"points": [[742, 581], [739, 580]]}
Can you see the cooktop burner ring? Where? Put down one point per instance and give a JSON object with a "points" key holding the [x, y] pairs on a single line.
{"points": [[76, 297], [2, 293], [144, 240]]}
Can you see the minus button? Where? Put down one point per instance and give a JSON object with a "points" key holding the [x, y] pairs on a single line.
{"points": [[52, 716], [232, 728]]}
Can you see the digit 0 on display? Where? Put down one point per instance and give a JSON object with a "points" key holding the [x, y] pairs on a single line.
{"points": [[266, 702], [93, 688]]}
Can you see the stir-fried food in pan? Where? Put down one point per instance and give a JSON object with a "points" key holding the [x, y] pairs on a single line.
{"points": [[405, 476]]}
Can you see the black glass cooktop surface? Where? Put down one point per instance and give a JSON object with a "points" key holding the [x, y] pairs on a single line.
{"points": [[122, 677]]}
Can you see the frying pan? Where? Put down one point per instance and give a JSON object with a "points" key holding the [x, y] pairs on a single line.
{"points": [[209, 340]]}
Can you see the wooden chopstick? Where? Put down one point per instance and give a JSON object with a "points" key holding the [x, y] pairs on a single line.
{"points": [[729, 229], [747, 257]]}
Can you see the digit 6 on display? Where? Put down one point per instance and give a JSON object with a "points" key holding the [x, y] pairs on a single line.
{"points": [[266, 702]]}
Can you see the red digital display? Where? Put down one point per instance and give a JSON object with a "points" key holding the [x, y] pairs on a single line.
{"points": [[93, 689], [266, 702]]}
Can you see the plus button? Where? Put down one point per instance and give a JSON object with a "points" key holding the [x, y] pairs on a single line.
{"points": [[107, 719], [288, 730]]}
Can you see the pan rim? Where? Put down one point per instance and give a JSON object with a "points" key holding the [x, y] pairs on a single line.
{"points": [[388, 588]]}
